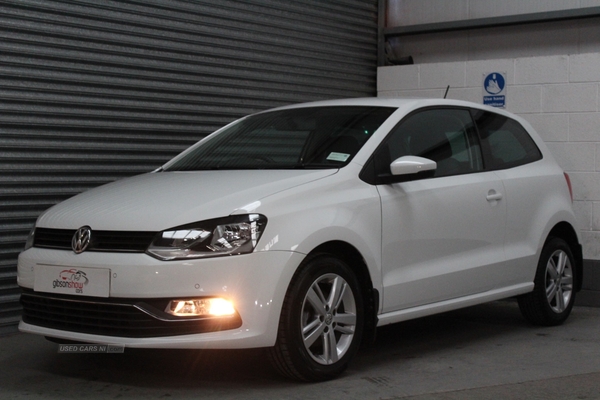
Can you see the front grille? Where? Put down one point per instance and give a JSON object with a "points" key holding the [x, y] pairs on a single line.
{"points": [[53, 238], [116, 241], [113, 317]]}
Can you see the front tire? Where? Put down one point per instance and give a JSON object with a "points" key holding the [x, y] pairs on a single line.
{"points": [[321, 323], [553, 295]]}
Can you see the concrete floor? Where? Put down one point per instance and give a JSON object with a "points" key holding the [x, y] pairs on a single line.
{"points": [[483, 352]]}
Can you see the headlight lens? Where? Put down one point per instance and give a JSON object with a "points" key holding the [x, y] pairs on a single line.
{"points": [[236, 234], [30, 238]]}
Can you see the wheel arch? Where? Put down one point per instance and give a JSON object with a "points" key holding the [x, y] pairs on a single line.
{"points": [[565, 231], [351, 256]]}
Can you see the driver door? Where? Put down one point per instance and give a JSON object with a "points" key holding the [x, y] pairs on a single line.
{"points": [[442, 236]]}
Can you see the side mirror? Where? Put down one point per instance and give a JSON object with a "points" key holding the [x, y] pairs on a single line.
{"points": [[410, 165]]}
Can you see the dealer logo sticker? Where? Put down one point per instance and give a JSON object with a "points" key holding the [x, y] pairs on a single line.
{"points": [[81, 239], [71, 279]]}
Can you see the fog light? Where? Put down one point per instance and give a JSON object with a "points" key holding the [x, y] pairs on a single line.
{"points": [[215, 307]]}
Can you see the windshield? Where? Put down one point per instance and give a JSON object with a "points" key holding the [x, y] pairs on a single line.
{"points": [[315, 137]]}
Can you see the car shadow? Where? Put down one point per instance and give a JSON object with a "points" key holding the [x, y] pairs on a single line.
{"points": [[454, 330]]}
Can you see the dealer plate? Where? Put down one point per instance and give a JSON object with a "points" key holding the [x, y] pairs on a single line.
{"points": [[72, 280]]}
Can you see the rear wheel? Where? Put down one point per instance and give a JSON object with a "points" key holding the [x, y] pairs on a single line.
{"points": [[553, 296], [321, 322]]}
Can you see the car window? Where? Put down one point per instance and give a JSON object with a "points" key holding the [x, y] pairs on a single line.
{"points": [[446, 136], [312, 137], [505, 143]]}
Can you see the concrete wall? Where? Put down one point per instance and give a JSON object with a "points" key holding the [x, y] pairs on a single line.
{"points": [[413, 12], [540, 39]]}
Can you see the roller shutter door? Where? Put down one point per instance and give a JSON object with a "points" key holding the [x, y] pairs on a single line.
{"points": [[93, 91]]}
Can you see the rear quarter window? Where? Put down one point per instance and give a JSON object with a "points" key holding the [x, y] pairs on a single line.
{"points": [[504, 141]]}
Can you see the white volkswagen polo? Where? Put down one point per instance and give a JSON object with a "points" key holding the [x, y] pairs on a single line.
{"points": [[302, 229]]}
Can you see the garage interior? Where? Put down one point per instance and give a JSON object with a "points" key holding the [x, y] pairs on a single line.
{"points": [[91, 92]]}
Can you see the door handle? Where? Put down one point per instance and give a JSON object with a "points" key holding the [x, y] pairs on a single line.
{"points": [[493, 196]]}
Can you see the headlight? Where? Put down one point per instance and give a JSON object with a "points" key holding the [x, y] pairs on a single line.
{"points": [[30, 238], [236, 234]]}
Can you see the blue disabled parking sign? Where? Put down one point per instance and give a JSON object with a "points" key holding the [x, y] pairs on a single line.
{"points": [[494, 89]]}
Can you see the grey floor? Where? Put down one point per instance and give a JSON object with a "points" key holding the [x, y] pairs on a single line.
{"points": [[483, 352]]}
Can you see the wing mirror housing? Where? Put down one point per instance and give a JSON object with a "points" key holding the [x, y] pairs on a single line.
{"points": [[412, 165], [403, 169]]}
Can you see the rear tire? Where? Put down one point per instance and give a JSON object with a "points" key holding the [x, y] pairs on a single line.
{"points": [[322, 321], [553, 295]]}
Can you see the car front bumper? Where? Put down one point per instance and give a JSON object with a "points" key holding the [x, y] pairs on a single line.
{"points": [[255, 283]]}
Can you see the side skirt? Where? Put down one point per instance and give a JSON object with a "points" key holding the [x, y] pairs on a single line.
{"points": [[453, 304]]}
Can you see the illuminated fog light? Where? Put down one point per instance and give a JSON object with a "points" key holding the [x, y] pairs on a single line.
{"points": [[214, 307]]}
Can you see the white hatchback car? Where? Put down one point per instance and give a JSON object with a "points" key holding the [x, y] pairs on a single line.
{"points": [[302, 229]]}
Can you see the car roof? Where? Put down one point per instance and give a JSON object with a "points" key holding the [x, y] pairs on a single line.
{"points": [[407, 103]]}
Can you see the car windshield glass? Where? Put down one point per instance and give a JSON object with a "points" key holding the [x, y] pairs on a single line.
{"points": [[314, 137]]}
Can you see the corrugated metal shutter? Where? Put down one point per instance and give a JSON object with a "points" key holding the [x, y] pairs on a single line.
{"points": [[92, 91]]}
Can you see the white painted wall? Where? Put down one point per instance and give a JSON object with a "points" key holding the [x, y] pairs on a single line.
{"points": [[559, 95]]}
